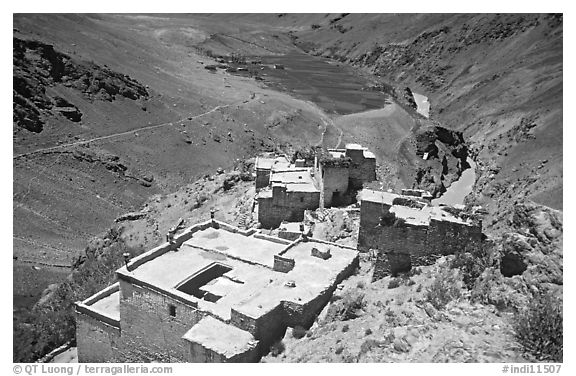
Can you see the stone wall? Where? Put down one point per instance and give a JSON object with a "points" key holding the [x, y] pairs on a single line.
{"points": [[401, 245], [97, 342], [149, 331], [286, 206], [262, 178], [362, 169], [267, 328], [283, 264], [334, 179], [201, 354]]}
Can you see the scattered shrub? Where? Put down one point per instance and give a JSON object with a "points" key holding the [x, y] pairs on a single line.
{"points": [[349, 307], [315, 26], [277, 348], [539, 329], [345, 328], [368, 345], [368, 331], [414, 271], [339, 350], [394, 283], [299, 332], [472, 264], [52, 323], [443, 290], [361, 284]]}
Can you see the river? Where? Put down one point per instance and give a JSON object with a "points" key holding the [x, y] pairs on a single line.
{"points": [[459, 189], [422, 104]]}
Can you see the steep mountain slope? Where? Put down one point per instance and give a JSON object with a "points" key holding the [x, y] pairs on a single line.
{"points": [[137, 116], [108, 111], [496, 77]]}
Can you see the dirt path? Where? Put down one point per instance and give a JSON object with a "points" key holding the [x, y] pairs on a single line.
{"points": [[327, 121], [128, 132]]}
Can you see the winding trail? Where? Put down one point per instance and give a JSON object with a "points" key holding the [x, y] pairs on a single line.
{"points": [[43, 150], [327, 122]]}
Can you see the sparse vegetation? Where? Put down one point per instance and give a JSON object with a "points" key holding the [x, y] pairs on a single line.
{"points": [[443, 290], [394, 283], [277, 348], [539, 329], [349, 307], [52, 323], [471, 264], [299, 332]]}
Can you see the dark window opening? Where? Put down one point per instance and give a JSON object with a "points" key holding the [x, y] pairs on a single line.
{"points": [[301, 199], [172, 310]]}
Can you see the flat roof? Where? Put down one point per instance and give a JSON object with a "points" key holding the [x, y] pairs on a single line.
{"points": [[221, 338], [365, 152], [295, 180], [369, 155], [251, 286], [335, 153], [249, 248], [379, 197], [266, 162], [108, 305], [414, 216]]}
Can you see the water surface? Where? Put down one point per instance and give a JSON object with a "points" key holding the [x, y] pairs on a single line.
{"points": [[334, 87], [459, 189]]}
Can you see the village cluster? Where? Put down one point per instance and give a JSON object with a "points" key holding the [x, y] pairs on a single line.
{"points": [[218, 293]]}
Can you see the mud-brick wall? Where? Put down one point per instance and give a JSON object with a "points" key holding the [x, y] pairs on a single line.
{"points": [[262, 178], [149, 332], [405, 238], [362, 169], [96, 341], [370, 228], [286, 206], [283, 264], [449, 237], [335, 179], [267, 328], [201, 354]]}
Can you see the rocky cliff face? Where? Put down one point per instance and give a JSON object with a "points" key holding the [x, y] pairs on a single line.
{"points": [[38, 66]]}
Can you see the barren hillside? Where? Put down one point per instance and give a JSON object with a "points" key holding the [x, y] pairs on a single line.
{"points": [[117, 114]]}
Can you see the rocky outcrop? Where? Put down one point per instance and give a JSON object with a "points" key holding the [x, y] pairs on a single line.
{"points": [[529, 259], [442, 155], [38, 66]]}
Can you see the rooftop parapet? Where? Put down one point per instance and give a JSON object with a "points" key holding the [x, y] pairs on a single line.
{"points": [[104, 305], [270, 161], [412, 211], [365, 152]]}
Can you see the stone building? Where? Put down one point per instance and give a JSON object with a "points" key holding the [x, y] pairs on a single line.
{"points": [[264, 165], [214, 293], [291, 193], [407, 231], [288, 190]]}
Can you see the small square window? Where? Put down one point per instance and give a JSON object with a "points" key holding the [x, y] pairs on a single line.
{"points": [[172, 310]]}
